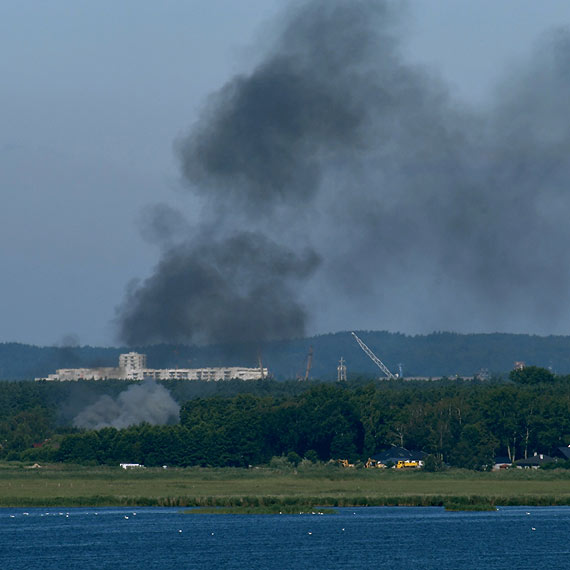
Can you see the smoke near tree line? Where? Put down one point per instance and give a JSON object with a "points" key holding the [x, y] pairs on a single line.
{"points": [[338, 174], [145, 402]]}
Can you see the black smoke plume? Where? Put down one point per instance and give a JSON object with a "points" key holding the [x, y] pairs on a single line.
{"points": [[238, 289], [425, 214]]}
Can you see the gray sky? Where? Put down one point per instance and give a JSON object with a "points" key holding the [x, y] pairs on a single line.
{"points": [[93, 96]]}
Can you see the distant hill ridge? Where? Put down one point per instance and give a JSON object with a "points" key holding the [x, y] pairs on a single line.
{"points": [[436, 354]]}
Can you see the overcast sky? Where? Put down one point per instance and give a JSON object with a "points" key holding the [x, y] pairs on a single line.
{"points": [[93, 96]]}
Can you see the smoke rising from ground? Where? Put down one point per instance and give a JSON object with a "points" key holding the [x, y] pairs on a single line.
{"points": [[425, 215], [146, 402]]}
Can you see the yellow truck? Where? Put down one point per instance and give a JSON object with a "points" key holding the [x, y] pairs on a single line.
{"points": [[407, 465]]}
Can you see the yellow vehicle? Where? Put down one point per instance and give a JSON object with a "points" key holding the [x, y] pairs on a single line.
{"points": [[407, 465]]}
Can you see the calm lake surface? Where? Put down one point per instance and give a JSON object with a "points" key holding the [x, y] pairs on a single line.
{"points": [[512, 537]]}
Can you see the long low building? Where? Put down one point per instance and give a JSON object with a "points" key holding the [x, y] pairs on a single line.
{"points": [[132, 366]]}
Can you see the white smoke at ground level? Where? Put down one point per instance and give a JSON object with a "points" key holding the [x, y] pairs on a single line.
{"points": [[147, 402]]}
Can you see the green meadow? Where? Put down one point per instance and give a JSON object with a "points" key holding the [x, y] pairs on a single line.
{"points": [[273, 489]]}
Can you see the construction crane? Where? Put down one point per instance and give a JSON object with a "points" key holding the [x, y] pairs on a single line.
{"points": [[374, 358], [260, 363], [309, 363]]}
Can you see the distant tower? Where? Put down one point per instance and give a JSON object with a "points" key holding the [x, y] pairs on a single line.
{"points": [[341, 370]]}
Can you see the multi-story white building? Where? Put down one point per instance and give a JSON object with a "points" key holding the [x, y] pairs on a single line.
{"points": [[132, 366], [132, 361]]}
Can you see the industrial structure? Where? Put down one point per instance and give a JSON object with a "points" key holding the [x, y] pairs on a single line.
{"points": [[132, 366], [341, 370], [309, 365], [374, 358]]}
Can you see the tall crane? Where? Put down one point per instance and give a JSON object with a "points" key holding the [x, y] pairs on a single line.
{"points": [[374, 358], [309, 363]]}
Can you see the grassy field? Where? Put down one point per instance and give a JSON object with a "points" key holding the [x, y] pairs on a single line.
{"points": [[60, 485]]}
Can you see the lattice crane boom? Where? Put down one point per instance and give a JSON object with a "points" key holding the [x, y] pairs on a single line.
{"points": [[309, 363], [374, 358]]}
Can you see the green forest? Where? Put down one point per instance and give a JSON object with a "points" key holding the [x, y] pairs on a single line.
{"points": [[459, 423]]}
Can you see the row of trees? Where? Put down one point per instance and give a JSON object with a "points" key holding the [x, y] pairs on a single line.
{"points": [[30, 412], [463, 424], [239, 431]]}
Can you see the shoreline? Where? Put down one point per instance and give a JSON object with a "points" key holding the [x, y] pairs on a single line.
{"points": [[270, 505], [60, 485]]}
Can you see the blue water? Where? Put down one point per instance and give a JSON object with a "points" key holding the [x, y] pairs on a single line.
{"points": [[513, 537]]}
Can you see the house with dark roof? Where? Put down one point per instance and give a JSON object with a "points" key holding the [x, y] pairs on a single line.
{"points": [[501, 463], [534, 462], [562, 453], [399, 457]]}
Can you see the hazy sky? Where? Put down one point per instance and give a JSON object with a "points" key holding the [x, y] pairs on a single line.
{"points": [[93, 96]]}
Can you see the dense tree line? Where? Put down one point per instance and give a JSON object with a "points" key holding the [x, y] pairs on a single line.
{"points": [[31, 412], [462, 423], [434, 354], [244, 430]]}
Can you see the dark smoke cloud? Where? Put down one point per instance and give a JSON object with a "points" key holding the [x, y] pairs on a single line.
{"points": [[146, 402], [240, 288], [427, 215], [264, 137], [464, 214], [263, 141]]}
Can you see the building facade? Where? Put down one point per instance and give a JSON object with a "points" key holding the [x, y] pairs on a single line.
{"points": [[132, 366], [132, 361]]}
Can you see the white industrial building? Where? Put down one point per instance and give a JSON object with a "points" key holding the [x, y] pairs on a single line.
{"points": [[132, 366]]}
